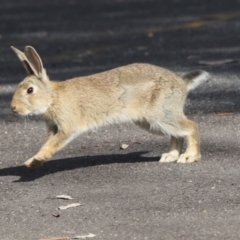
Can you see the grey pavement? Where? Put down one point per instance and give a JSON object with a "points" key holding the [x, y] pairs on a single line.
{"points": [[124, 194]]}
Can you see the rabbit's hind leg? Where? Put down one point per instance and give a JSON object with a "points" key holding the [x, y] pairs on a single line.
{"points": [[179, 127], [192, 153], [174, 152], [161, 127]]}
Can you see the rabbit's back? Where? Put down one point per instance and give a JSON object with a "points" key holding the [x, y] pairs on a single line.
{"points": [[122, 94]]}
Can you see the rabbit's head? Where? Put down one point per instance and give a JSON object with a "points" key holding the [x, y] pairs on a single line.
{"points": [[33, 94]]}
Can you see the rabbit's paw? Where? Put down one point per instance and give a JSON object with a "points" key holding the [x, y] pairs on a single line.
{"points": [[168, 157], [33, 163], [188, 158]]}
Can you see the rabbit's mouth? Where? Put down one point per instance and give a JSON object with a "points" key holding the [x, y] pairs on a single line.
{"points": [[29, 113], [24, 111], [17, 109], [20, 112]]}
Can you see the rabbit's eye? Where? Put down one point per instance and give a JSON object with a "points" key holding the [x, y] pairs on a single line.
{"points": [[30, 90]]}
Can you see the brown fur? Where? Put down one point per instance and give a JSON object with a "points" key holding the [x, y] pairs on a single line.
{"points": [[150, 96]]}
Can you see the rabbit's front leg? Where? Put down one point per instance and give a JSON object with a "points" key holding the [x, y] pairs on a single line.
{"points": [[54, 143]]}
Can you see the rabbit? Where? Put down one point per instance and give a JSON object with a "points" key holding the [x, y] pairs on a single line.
{"points": [[147, 95]]}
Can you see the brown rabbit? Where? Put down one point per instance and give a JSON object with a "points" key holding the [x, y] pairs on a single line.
{"points": [[150, 96]]}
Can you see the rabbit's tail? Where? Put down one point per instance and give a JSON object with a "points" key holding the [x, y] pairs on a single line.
{"points": [[195, 78]]}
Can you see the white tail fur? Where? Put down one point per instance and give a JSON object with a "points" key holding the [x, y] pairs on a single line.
{"points": [[195, 78]]}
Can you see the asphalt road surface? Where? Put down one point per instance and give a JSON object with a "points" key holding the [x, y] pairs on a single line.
{"points": [[124, 194]]}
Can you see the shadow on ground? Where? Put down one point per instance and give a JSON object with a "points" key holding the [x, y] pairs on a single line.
{"points": [[66, 164]]}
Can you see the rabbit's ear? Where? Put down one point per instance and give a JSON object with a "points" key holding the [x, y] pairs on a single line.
{"points": [[35, 63], [24, 60]]}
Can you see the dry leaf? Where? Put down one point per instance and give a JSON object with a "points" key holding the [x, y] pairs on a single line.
{"points": [[65, 197], [69, 206], [224, 114], [150, 34], [220, 62], [124, 146], [56, 215], [56, 238], [90, 235]]}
